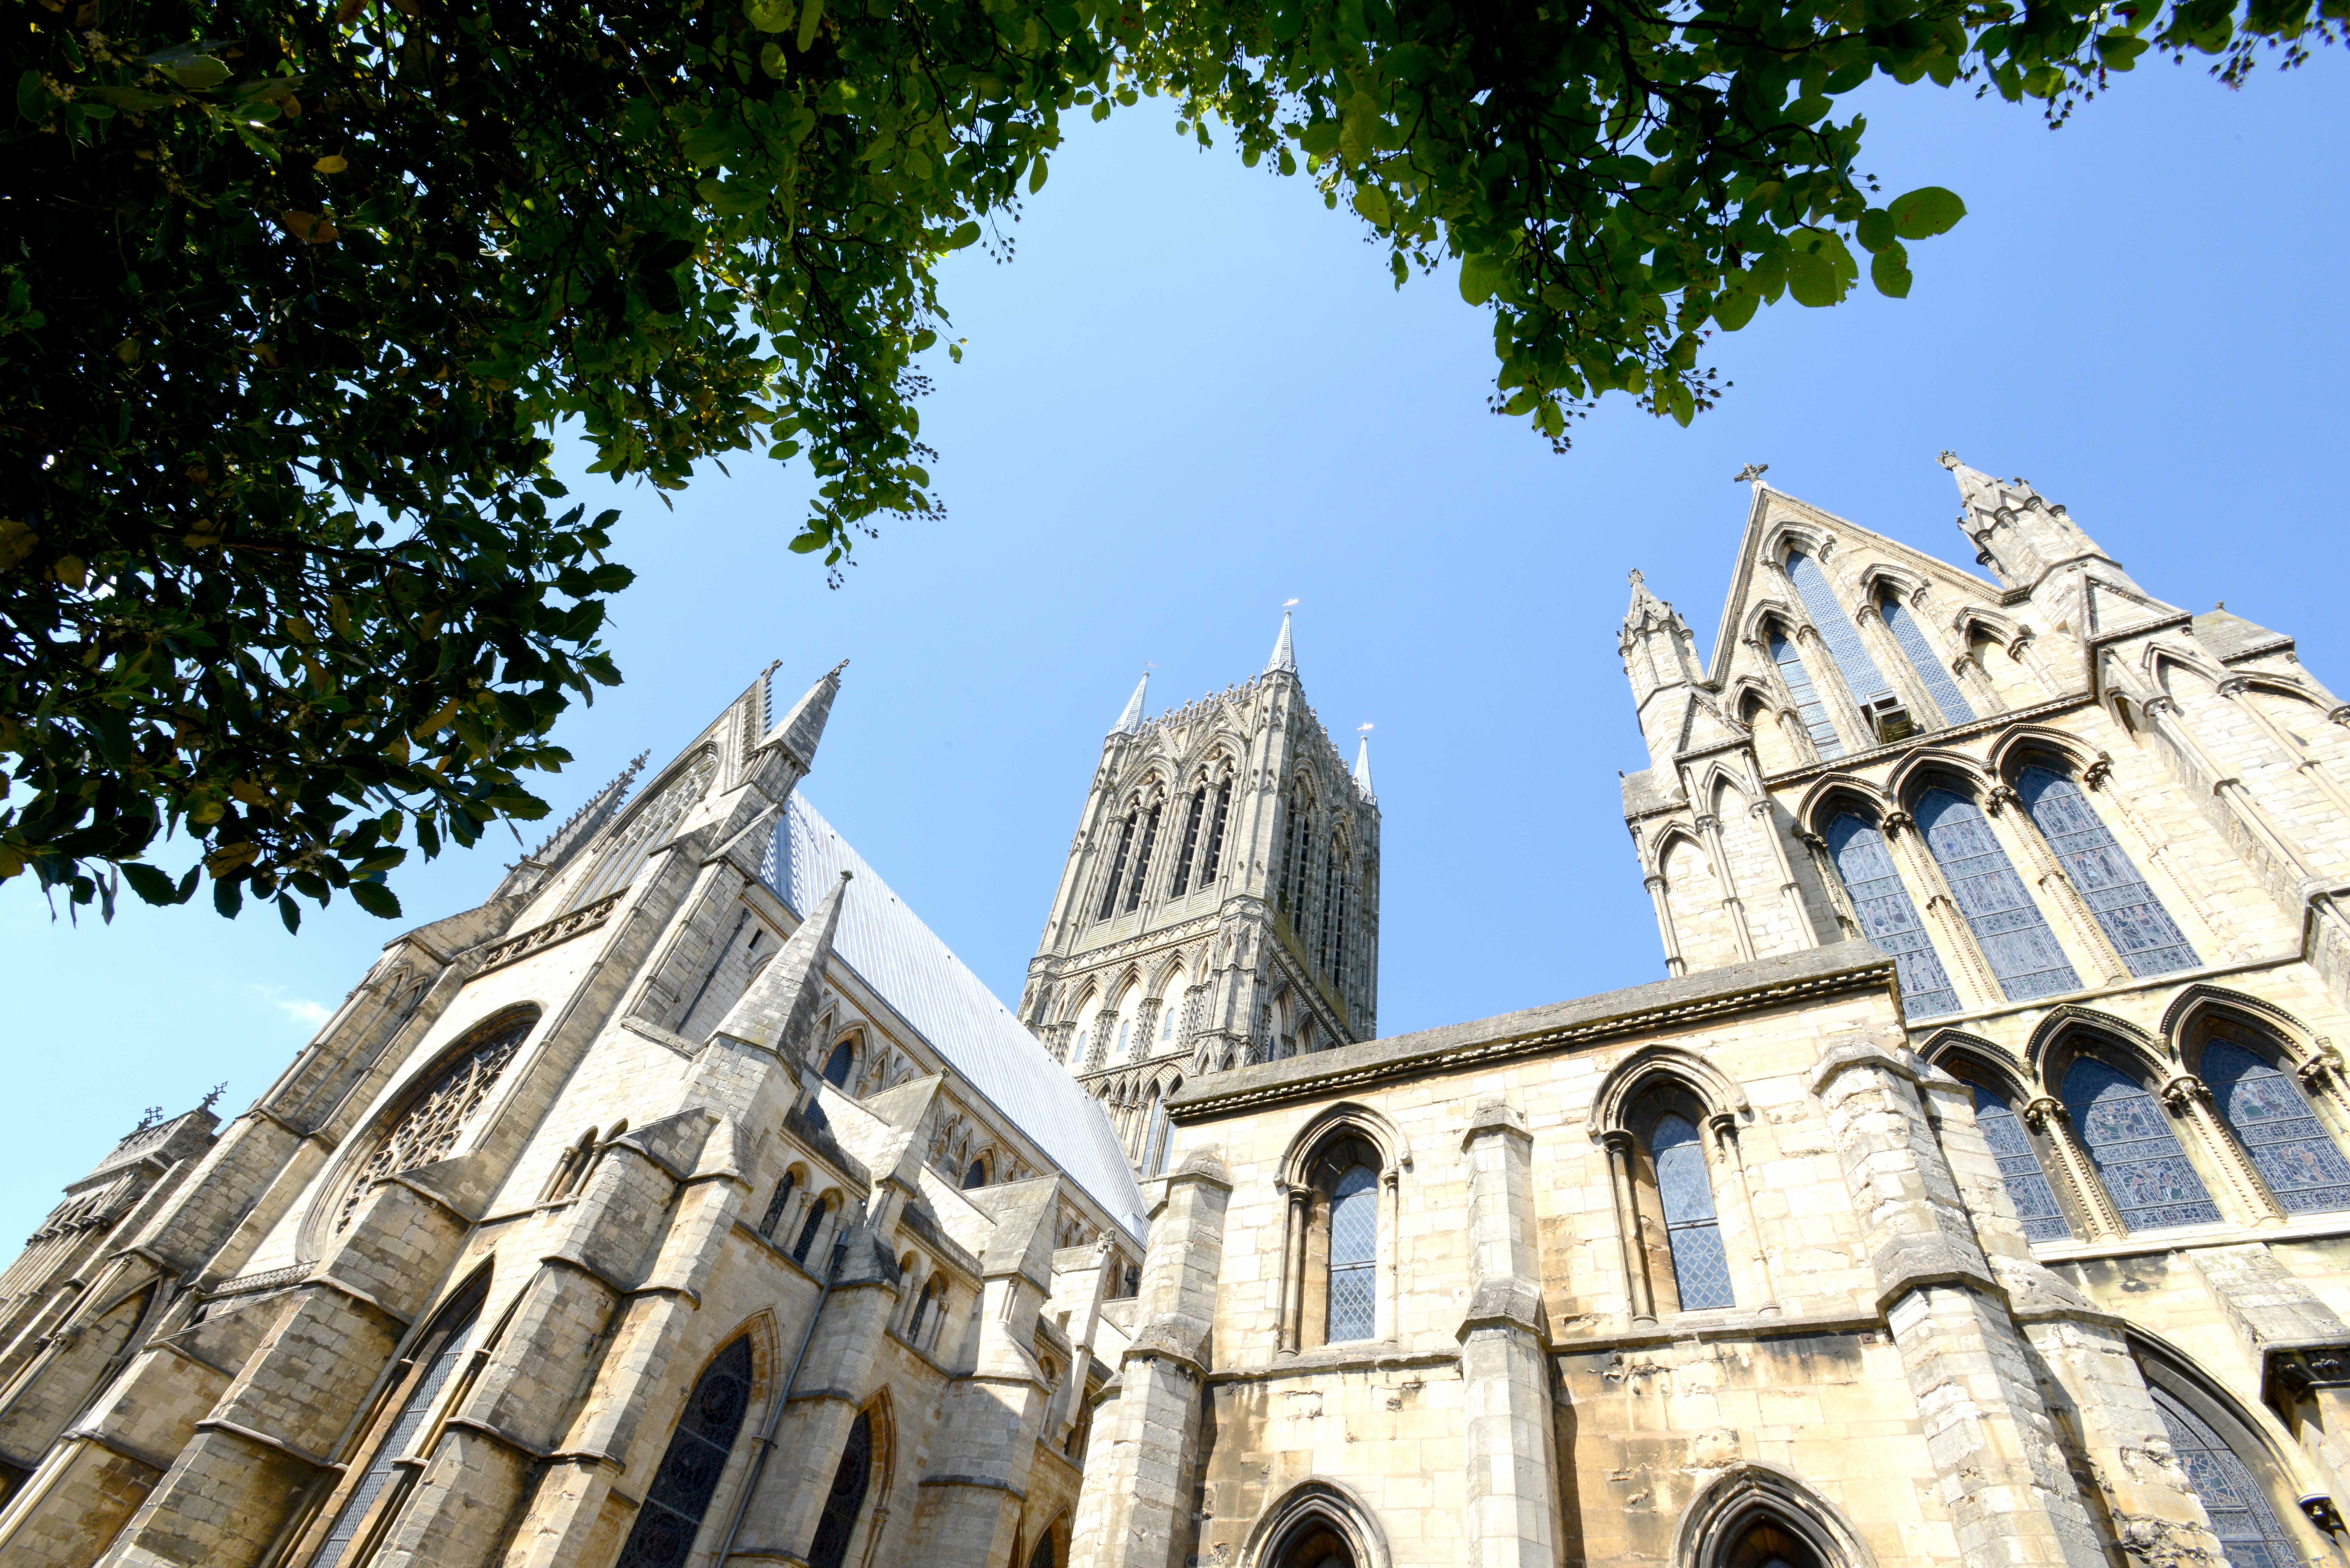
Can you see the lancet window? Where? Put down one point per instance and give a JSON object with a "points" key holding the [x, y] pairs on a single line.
{"points": [[2138, 1156], [1692, 1225], [778, 1201], [2008, 926], [1332, 891], [1192, 819], [1117, 866], [1216, 835], [1296, 844], [1354, 1255], [1887, 916], [2018, 1168], [840, 1063], [1142, 859], [671, 1515], [359, 1523], [1930, 669], [2301, 1165], [851, 1481], [1333, 1269], [1867, 682], [1813, 712], [2134, 920]]}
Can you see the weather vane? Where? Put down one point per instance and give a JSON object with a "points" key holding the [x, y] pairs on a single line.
{"points": [[1752, 470]]}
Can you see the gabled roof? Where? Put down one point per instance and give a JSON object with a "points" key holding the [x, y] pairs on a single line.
{"points": [[891, 949], [1750, 554]]}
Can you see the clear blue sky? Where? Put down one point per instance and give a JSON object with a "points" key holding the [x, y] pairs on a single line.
{"points": [[1195, 395]]}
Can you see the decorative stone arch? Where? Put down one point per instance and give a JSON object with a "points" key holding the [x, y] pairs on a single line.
{"points": [[2161, 656], [2200, 1003], [1317, 1503], [1652, 1065], [1924, 768], [1716, 778], [1753, 689], [1972, 617], [1381, 1134], [1155, 988], [1879, 578], [1754, 627], [2277, 685], [1640, 1093], [2017, 746], [1948, 1047], [857, 1042], [1718, 1517], [1212, 760], [1832, 795], [2058, 1040], [2282, 1470], [1786, 534], [987, 1162], [1660, 842], [1315, 1190]]}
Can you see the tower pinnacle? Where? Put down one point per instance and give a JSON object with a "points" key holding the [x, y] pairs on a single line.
{"points": [[1363, 769], [1130, 721], [1284, 654]]}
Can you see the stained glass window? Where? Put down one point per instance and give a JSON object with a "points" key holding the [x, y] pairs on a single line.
{"points": [[1354, 1250], [2008, 926], [2302, 1165], [1860, 671], [1808, 706], [2240, 1516], [1887, 918], [1691, 1227], [2130, 1142], [442, 1353], [427, 1130], [1930, 669], [2018, 1168], [2133, 919], [837, 1065], [847, 1499], [671, 1515], [776, 1204]]}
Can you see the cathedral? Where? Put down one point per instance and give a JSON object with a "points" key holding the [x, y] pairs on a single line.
{"points": [[1969, 1194]]}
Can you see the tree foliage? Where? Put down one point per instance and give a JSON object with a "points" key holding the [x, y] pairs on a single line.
{"points": [[298, 292]]}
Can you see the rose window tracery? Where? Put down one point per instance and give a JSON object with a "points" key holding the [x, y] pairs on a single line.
{"points": [[427, 1130]]}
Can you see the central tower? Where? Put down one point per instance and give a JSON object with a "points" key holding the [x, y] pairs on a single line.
{"points": [[1221, 904]]}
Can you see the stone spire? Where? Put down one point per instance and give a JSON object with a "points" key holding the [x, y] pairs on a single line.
{"points": [[584, 822], [1659, 654], [778, 1013], [1130, 721], [1285, 655], [1363, 770], [803, 727]]}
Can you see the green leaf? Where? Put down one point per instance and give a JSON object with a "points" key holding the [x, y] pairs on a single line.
{"points": [[376, 898], [968, 234], [1812, 279], [150, 884], [1926, 212], [1372, 204], [133, 99], [1733, 311], [1889, 270], [808, 543], [290, 912], [189, 66], [1874, 230], [809, 18], [1480, 276], [768, 15]]}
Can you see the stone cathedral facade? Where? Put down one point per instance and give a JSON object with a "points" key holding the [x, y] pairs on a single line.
{"points": [[1971, 1194]]}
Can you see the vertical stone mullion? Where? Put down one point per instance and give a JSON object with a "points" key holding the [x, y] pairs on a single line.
{"points": [[1723, 1124], [1639, 1292], [1674, 964], [2084, 936], [2188, 1098], [2048, 1117], [1943, 907], [2150, 851]]}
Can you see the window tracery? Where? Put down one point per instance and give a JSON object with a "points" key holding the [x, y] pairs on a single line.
{"points": [[2137, 1155], [2300, 1164], [428, 1128], [671, 1515], [1911, 637], [2133, 919], [651, 827], [1814, 714], [1887, 918], [1692, 1225], [2008, 926]]}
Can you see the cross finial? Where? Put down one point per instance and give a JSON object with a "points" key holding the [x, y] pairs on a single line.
{"points": [[1753, 473], [1636, 579], [1949, 460]]}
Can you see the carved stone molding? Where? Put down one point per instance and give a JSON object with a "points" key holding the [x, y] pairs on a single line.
{"points": [[561, 929]]}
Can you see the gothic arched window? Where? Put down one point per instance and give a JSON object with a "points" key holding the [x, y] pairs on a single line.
{"points": [[2134, 920], [1181, 882], [818, 1212], [1117, 866], [1296, 835], [924, 1305], [847, 1499], [1216, 833], [2248, 1528], [1142, 858], [2008, 926], [2270, 1118], [1887, 916], [1921, 654], [671, 1516], [2018, 1168], [1769, 1544], [840, 1063], [2136, 1155], [437, 1112], [1813, 712], [777, 1202], [439, 1353], [1354, 1255], [975, 1174], [1692, 1228], [1332, 922], [1865, 681], [1043, 1556]]}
